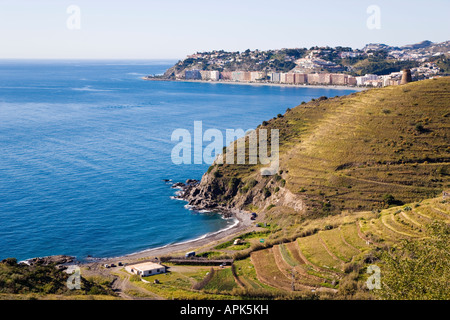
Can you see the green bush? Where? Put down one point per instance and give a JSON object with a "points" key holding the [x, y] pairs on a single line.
{"points": [[266, 192], [251, 183]]}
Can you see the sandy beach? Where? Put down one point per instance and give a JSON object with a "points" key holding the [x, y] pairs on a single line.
{"points": [[244, 223]]}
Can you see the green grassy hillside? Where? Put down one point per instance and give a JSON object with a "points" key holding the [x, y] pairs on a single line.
{"points": [[366, 151], [338, 258], [409, 244]]}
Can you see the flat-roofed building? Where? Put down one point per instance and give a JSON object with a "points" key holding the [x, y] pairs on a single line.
{"points": [[257, 75], [214, 75], [206, 75], [192, 75], [300, 78], [237, 76], [351, 81], [146, 269], [274, 77], [324, 78], [313, 78], [226, 75], [339, 79], [290, 78], [361, 81]]}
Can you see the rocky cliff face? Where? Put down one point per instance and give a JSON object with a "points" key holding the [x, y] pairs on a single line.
{"points": [[342, 154], [229, 194]]}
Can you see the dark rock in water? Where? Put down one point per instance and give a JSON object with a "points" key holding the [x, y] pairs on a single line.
{"points": [[178, 185], [45, 261], [191, 181]]}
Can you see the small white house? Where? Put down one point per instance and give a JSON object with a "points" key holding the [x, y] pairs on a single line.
{"points": [[146, 269]]}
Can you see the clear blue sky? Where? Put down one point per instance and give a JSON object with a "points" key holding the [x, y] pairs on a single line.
{"points": [[171, 29]]}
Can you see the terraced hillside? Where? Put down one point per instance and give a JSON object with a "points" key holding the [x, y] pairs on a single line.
{"points": [[329, 262], [361, 152], [320, 261]]}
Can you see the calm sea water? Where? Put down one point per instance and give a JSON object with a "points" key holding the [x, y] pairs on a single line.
{"points": [[85, 146]]}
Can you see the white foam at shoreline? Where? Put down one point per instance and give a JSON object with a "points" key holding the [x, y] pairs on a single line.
{"points": [[209, 234], [236, 222]]}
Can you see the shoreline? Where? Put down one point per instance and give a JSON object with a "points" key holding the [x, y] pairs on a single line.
{"points": [[335, 87], [243, 223]]}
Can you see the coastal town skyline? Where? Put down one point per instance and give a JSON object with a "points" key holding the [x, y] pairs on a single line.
{"points": [[173, 29], [375, 65]]}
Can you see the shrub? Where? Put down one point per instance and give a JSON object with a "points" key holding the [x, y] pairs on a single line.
{"points": [[419, 128], [348, 287], [252, 183], [266, 192], [389, 199], [245, 189], [351, 267], [233, 183]]}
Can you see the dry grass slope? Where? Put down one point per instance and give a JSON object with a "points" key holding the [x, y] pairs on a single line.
{"points": [[318, 260]]}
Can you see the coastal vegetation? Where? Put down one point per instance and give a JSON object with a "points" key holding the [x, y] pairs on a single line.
{"points": [[354, 176], [359, 186], [345, 154], [46, 282]]}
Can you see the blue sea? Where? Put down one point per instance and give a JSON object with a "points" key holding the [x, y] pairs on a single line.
{"points": [[85, 146]]}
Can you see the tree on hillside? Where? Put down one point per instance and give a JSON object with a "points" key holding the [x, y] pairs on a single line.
{"points": [[418, 269]]}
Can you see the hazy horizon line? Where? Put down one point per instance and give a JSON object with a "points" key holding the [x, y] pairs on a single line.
{"points": [[225, 50]]}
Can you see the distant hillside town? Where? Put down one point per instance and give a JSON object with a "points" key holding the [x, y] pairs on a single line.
{"points": [[375, 65]]}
